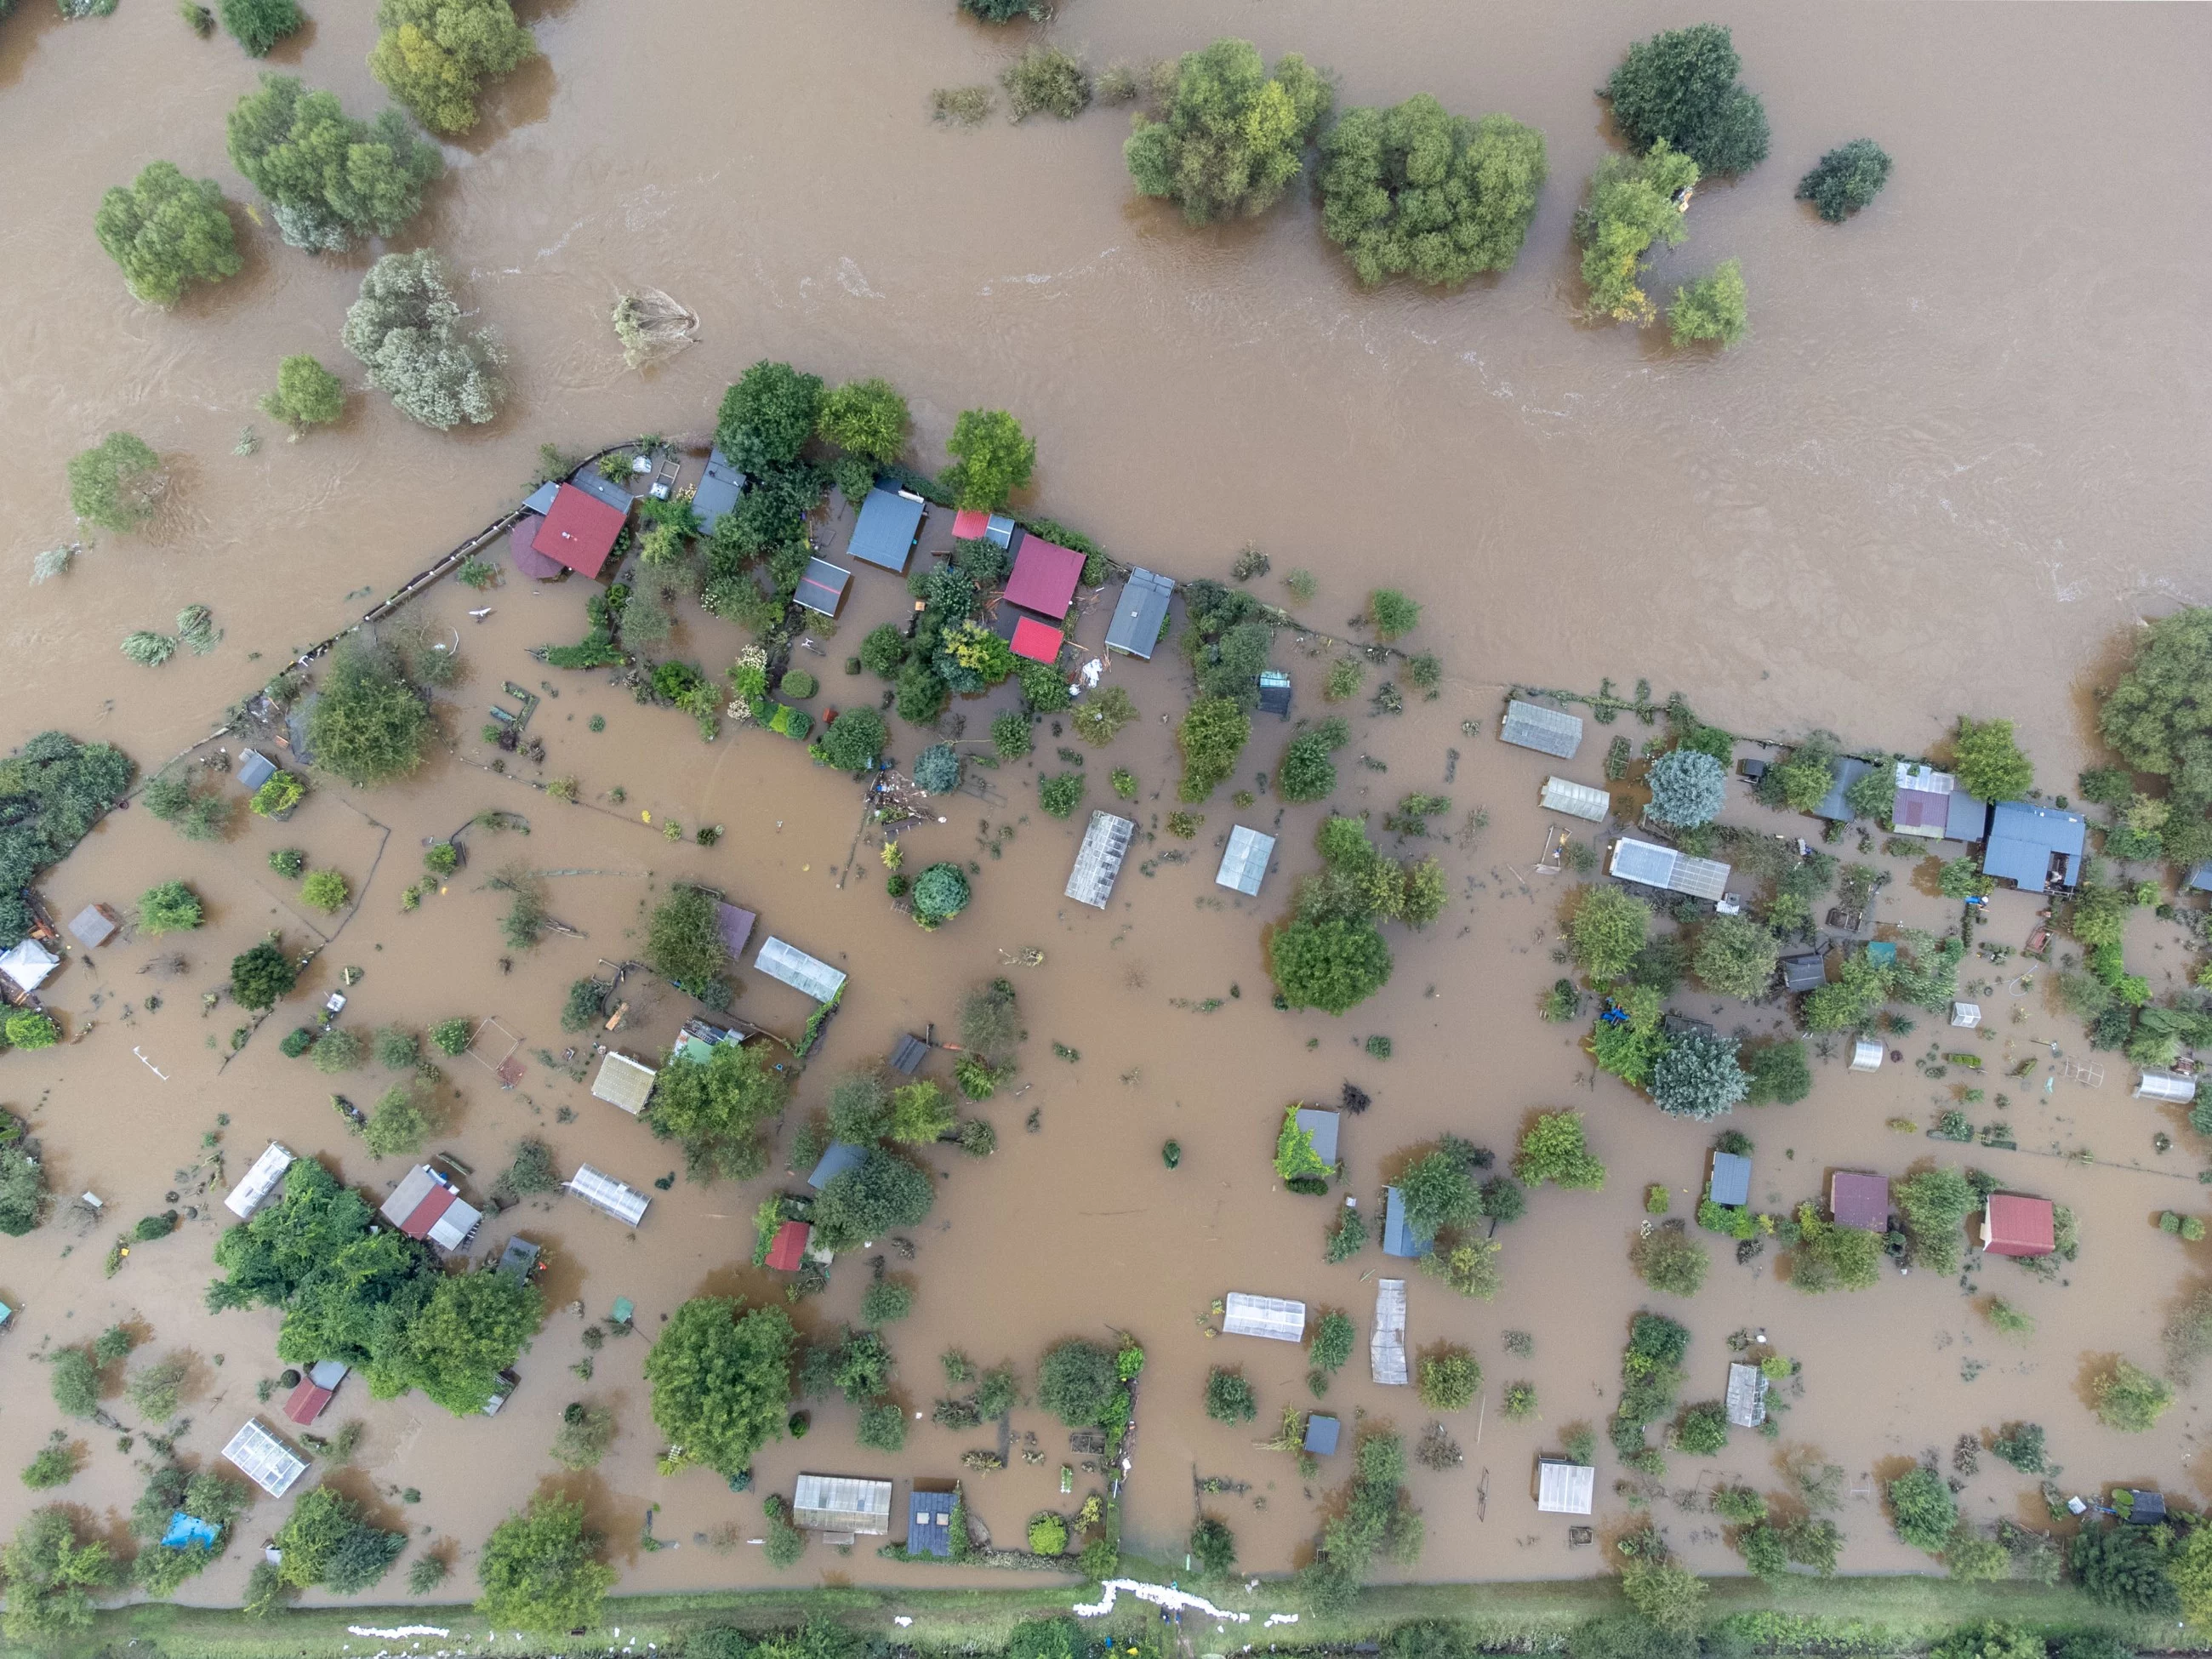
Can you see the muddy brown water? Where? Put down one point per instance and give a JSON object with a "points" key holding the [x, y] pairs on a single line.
{"points": [[1960, 454]]}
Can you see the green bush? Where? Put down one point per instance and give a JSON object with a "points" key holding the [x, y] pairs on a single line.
{"points": [[992, 458], [1076, 1382], [325, 890], [1922, 1509], [1306, 774], [1229, 1397], [1846, 180], [260, 975], [368, 726], [1412, 191], [1232, 138], [941, 893], [1710, 307], [307, 394], [1048, 1534], [409, 332], [1046, 78], [1211, 736], [167, 230], [1448, 1379], [115, 483], [1331, 965], [1680, 87], [1060, 793], [1669, 1259], [171, 907], [1010, 735], [1703, 1431], [852, 740], [1631, 205], [798, 683]]}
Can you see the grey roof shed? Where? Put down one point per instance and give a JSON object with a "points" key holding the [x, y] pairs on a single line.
{"points": [[888, 527], [843, 1155], [717, 493], [1319, 1123], [1138, 614], [1549, 731], [1849, 770], [2024, 841], [1275, 693], [1966, 818], [1399, 1237], [822, 589], [254, 769], [1322, 1432], [1731, 1182], [1245, 864], [1746, 1395], [1098, 861], [1807, 972], [907, 1055], [93, 926], [929, 1524]]}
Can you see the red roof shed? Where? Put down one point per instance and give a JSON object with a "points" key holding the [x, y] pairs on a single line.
{"points": [[789, 1250], [1044, 577], [307, 1400], [969, 522], [1040, 641], [2013, 1225], [1858, 1199], [579, 530]]}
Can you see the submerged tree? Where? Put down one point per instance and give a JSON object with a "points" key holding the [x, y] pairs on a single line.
{"points": [[992, 458], [1632, 205], [116, 482], [258, 25], [1412, 191], [720, 1377], [167, 230], [330, 180], [368, 725], [307, 394], [434, 55], [1233, 137], [1679, 88], [1846, 180], [407, 330], [540, 1569]]}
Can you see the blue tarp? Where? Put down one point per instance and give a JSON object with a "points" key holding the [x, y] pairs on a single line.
{"points": [[186, 1530]]}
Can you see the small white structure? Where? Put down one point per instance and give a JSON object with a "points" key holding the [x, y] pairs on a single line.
{"points": [[1650, 864], [1966, 1015], [1386, 1349], [1746, 1395], [841, 1505], [1576, 800], [1244, 865], [261, 1182], [603, 1192], [1549, 731], [1866, 1055], [1264, 1316], [799, 971], [263, 1459], [1098, 861], [1564, 1488], [28, 963], [624, 1083], [2165, 1085]]}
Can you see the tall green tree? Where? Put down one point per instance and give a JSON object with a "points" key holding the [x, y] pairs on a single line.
{"points": [[408, 331], [883, 1191], [720, 1377], [115, 483], [258, 25], [715, 1106], [866, 417], [1412, 191], [1680, 87], [368, 724], [307, 394], [1630, 206], [1988, 764], [1713, 307], [470, 1328], [1233, 137], [2158, 719], [1608, 929], [1211, 736], [992, 458], [433, 56], [1735, 957], [166, 230], [52, 1578], [768, 415], [330, 179], [540, 1571], [1331, 965], [1846, 180]]}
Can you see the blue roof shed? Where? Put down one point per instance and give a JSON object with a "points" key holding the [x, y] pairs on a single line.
{"points": [[1966, 819], [1138, 614], [2201, 877], [889, 526], [929, 1524], [616, 496], [718, 492], [2026, 842], [1399, 1237], [1321, 1434], [1731, 1182], [1849, 770], [843, 1155]]}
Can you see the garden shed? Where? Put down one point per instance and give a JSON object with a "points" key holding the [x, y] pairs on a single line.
{"points": [[1858, 1199], [2014, 1225], [1265, 1316], [262, 1181], [28, 964], [788, 1253], [909, 1053], [822, 589], [580, 529], [1866, 1055], [426, 1205], [604, 1194], [1731, 1180], [929, 1523], [1966, 1015], [1139, 613], [2200, 879], [717, 493], [1564, 1488], [735, 925], [254, 769], [888, 525], [520, 1260], [1576, 800], [93, 926], [1036, 639], [1923, 807], [1832, 805], [1044, 577], [317, 1390], [1322, 1433], [1245, 864], [972, 523], [1650, 864], [1098, 861], [799, 971], [1806, 972], [624, 1082], [1386, 1349], [1321, 1123], [843, 1155], [1275, 692], [2028, 846], [2165, 1085], [841, 1504], [1399, 1238], [263, 1459], [1532, 726], [1746, 1395]]}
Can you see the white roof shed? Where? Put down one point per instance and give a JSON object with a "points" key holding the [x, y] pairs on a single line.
{"points": [[624, 1082], [602, 1192], [263, 1459], [1564, 1488], [1386, 1349], [1098, 861], [1650, 864], [799, 971], [28, 963], [1576, 800], [2165, 1085], [1264, 1316], [261, 1182], [1244, 865]]}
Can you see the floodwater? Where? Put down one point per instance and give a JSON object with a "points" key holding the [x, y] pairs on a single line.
{"points": [[1960, 455]]}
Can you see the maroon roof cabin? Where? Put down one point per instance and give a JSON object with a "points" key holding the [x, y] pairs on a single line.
{"points": [[1858, 1199], [521, 548], [316, 1390], [2015, 1225], [579, 530], [1044, 577], [789, 1251]]}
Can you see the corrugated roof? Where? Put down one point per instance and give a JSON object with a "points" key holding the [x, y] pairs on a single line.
{"points": [[972, 523], [254, 769], [1386, 1349], [263, 1459], [788, 1251], [612, 492], [1746, 1395], [1036, 639], [842, 1503], [1098, 861], [603, 1192], [1549, 731], [1138, 614], [843, 1155], [581, 529], [418, 1201], [1858, 1199], [1967, 818], [822, 589], [1399, 1237], [516, 1260], [1274, 692], [1245, 864], [1564, 1488], [540, 500], [907, 1055], [1866, 1055], [2015, 1224], [2023, 840], [624, 1082], [1804, 973], [1849, 770], [716, 493], [884, 533], [261, 1182], [455, 1225], [1651, 865], [1044, 577], [799, 971], [1265, 1316], [1731, 1182], [1577, 799], [736, 927]]}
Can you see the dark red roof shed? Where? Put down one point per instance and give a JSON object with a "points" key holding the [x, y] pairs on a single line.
{"points": [[789, 1250], [1044, 577], [579, 530], [1040, 641], [2015, 1225], [1858, 1199]]}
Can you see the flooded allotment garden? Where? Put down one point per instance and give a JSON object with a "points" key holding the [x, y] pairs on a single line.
{"points": [[1955, 465]]}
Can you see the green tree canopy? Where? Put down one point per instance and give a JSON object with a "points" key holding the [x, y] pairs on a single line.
{"points": [[720, 1378], [167, 230], [540, 1571], [1554, 1148], [941, 893], [470, 1327], [882, 1192], [258, 25], [1076, 1382], [1846, 180], [1735, 957], [1438, 1191], [1331, 965], [852, 740], [115, 483], [1697, 1077], [1233, 137], [260, 975], [434, 55], [2158, 719], [306, 393], [1688, 787], [768, 415], [330, 180], [328, 1541], [407, 330], [1710, 307], [1211, 736], [1988, 763], [1680, 87], [52, 791], [992, 458], [1630, 206], [368, 724], [1307, 772], [684, 940], [1934, 1203], [1411, 191], [1608, 929], [52, 1578], [867, 418], [715, 1106]]}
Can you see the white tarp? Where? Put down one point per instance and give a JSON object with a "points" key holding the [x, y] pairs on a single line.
{"points": [[28, 962], [261, 1182]]}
